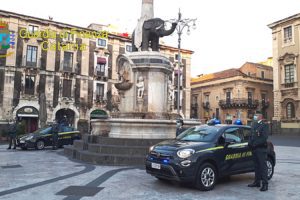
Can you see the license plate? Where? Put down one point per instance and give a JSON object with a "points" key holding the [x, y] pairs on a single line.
{"points": [[155, 166], [22, 142]]}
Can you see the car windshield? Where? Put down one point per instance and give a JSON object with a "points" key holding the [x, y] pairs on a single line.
{"points": [[199, 134], [44, 130]]}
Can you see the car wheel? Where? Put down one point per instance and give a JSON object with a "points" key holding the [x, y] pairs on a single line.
{"points": [[40, 145], [270, 168], [206, 177]]}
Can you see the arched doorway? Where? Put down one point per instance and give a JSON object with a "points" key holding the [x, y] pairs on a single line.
{"points": [[28, 116], [68, 113], [98, 114]]}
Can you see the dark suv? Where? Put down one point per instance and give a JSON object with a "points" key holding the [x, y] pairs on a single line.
{"points": [[202, 154]]}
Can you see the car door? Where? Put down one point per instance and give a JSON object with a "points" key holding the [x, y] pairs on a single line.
{"points": [[236, 150], [248, 157]]}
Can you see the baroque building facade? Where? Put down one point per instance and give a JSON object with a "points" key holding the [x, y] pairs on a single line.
{"points": [[286, 65], [233, 94], [54, 69]]}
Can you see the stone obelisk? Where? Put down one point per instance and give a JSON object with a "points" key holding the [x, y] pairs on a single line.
{"points": [[147, 12]]}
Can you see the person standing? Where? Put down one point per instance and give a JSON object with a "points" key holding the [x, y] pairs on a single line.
{"points": [[12, 131], [258, 144], [55, 130]]}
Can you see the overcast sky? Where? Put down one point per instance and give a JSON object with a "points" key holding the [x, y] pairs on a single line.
{"points": [[229, 32]]}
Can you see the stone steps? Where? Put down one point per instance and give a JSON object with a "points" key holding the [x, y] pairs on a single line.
{"points": [[110, 151], [117, 149], [119, 141]]}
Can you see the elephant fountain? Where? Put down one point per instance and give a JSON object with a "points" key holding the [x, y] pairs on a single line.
{"points": [[152, 30]]}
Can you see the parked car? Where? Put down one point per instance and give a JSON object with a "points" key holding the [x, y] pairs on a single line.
{"points": [[203, 154], [42, 138]]}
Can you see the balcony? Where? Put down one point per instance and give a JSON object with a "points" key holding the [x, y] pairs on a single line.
{"points": [[33, 64], [238, 103], [288, 85], [100, 75], [206, 105], [194, 106], [67, 68], [265, 104]]}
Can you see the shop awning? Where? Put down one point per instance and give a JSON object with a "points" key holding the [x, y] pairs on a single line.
{"points": [[101, 60]]}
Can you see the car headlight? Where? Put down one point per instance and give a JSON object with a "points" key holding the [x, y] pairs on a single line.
{"points": [[185, 153], [151, 148]]}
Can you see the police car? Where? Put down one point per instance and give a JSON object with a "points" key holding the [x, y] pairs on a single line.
{"points": [[43, 137], [203, 154]]}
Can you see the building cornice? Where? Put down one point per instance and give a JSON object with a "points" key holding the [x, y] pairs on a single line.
{"points": [[47, 22], [293, 17]]}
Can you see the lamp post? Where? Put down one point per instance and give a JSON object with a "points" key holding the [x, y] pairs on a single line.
{"points": [[181, 25]]}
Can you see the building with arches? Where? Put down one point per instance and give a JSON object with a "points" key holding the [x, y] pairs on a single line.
{"points": [[56, 70], [286, 72]]}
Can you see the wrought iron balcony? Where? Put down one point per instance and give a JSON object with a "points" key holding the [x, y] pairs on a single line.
{"points": [[238, 103], [265, 104], [288, 85]]}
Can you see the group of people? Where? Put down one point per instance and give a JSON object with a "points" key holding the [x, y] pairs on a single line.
{"points": [[12, 132], [257, 144]]}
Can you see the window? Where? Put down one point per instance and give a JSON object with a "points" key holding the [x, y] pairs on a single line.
{"points": [[176, 57], [288, 34], [262, 74], [199, 134], [233, 134], [67, 88], [128, 48], [217, 113], [29, 84], [99, 91], [31, 56], [101, 42], [228, 97], [206, 98], [245, 134], [68, 61], [290, 110], [250, 114], [250, 96], [289, 73], [100, 67], [32, 29], [263, 98], [68, 36]]}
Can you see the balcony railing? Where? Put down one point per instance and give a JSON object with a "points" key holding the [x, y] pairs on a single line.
{"points": [[238, 103], [265, 104], [288, 85], [31, 64], [206, 105], [67, 68]]}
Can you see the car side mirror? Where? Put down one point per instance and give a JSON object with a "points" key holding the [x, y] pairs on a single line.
{"points": [[229, 141]]}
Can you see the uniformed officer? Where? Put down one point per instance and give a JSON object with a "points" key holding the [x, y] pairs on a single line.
{"points": [[12, 131], [55, 130], [258, 144]]}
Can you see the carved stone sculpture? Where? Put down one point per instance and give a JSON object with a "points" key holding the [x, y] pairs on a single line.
{"points": [[153, 29], [140, 87], [170, 90]]}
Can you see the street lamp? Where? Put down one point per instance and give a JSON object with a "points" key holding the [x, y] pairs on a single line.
{"points": [[181, 25]]}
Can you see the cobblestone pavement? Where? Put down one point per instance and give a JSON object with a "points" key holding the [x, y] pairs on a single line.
{"points": [[45, 175]]}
